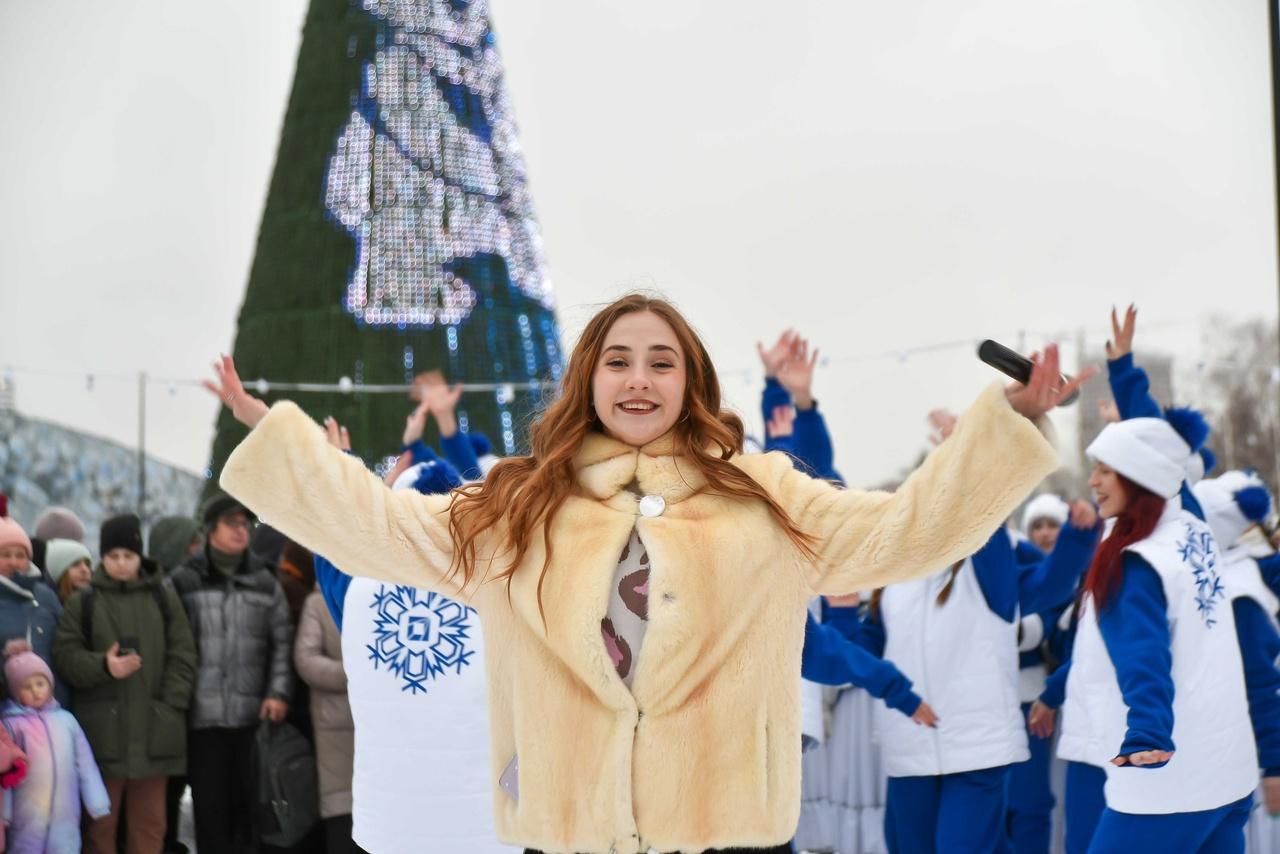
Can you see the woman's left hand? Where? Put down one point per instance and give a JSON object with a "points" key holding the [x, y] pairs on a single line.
{"points": [[1045, 389]]}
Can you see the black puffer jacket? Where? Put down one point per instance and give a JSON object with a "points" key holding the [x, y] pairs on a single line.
{"points": [[243, 637]]}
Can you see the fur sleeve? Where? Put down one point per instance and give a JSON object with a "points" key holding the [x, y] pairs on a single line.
{"points": [[287, 473], [942, 513]]}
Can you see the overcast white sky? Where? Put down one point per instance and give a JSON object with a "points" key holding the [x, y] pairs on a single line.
{"points": [[881, 175]]}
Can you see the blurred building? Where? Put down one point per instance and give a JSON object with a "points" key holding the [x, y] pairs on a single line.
{"points": [[1159, 370], [43, 464]]}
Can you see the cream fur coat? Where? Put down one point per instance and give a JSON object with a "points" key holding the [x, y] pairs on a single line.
{"points": [[704, 751]]}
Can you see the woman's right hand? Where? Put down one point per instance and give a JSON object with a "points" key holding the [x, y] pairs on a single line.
{"points": [[1041, 719], [1045, 389], [246, 408], [924, 715]]}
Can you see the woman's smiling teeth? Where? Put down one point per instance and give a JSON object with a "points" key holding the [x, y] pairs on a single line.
{"points": [[637, 406]]}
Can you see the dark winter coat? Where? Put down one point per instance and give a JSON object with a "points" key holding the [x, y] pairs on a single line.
{"points": [[137, 725], [29, 610], [244, 640]]}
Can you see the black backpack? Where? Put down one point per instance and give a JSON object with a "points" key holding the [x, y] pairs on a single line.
{"points": [[288, 800]]}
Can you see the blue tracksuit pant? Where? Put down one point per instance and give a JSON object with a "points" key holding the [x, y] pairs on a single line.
{"points": [[1030, 818], [948, 813], [1083, 803], [1217, 831]]}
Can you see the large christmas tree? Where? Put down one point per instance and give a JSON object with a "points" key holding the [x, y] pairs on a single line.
{"points": [[398, 235]]}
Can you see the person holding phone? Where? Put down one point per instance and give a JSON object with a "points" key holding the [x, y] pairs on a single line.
{"points": [[125, 646]]}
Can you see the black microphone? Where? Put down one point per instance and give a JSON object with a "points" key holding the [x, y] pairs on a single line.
{"points": [[1016, 366]]}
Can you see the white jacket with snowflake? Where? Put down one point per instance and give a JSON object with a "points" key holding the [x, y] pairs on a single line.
{"points": [[415, 678]]}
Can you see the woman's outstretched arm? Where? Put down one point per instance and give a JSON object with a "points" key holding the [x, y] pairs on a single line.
{"points": [[288, 473], [945, 510]]}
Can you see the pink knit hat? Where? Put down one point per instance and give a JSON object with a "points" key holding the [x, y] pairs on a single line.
{"points": [[19, 668], [11, 534]]}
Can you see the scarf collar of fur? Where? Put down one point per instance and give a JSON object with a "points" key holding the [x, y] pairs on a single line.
{"points": [[605, 467]]}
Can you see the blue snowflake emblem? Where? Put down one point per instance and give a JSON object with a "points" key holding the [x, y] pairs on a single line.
{"points": [[1198, 551], [419, 635]]}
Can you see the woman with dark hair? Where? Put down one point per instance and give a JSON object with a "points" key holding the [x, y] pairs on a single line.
{"points": [[637, 520], [1155, 694]]}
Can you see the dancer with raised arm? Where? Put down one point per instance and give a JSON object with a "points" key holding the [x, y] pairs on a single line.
{"points": [[641, 584]]}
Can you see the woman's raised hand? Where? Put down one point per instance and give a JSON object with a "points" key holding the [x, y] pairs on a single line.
{"points": [[246, 408], [777, 355], [1121, 343], [442, 400], [796, 373], [415, 423], [943, 422], [1045, 389], [336, 434]]}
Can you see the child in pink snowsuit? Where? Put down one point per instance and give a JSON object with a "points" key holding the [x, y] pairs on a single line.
{"points": [[43, 812]]}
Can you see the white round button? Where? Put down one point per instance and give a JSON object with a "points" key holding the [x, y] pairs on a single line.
{"points": [[652, 505]]}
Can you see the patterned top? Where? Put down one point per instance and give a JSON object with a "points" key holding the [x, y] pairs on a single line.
{"points": [[627, 618]]}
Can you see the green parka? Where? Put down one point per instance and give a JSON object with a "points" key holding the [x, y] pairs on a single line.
{"points": [[137, 726]]}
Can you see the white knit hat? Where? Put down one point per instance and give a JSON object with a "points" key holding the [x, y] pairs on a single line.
{"points": [[1046, 506], [1148, 451], [1232, 503], [59, 555]]}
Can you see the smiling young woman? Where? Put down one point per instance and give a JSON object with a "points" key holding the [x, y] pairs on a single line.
{"points": [[641, 582]]}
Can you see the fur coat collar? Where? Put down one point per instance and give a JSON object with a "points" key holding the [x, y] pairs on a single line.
{"points": [[606, 467]]}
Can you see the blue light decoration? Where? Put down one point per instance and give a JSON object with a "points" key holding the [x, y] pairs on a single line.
{"points": [[428, 176]]}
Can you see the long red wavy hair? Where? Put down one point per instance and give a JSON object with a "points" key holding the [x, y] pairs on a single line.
{"points": [[522, 494], [1141, 514]]}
